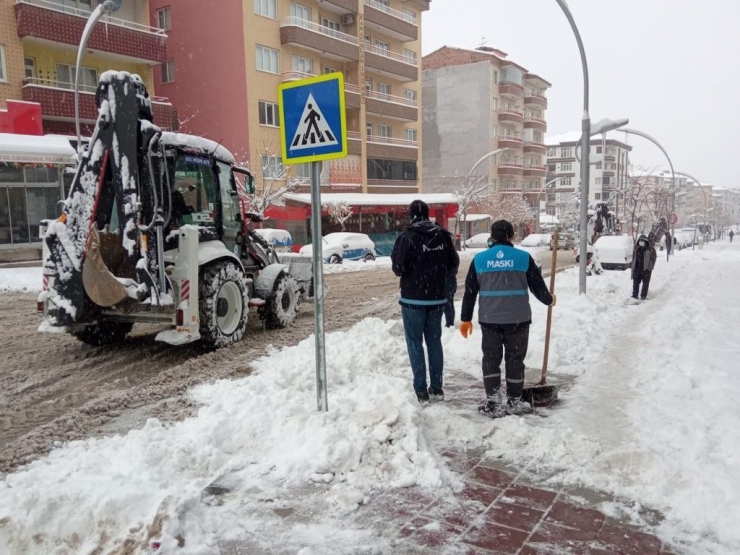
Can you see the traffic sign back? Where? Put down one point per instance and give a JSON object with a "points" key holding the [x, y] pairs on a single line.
{"points": [[313, 119]]}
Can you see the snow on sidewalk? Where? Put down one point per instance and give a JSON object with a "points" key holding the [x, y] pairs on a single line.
{"points": [[20, 279], [664, 438]]}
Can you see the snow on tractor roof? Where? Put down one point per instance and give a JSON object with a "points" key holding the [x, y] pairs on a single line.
{"points": [[199, 144]]}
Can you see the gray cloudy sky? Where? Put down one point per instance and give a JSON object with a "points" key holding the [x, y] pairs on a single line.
{"points": [[671, 66]]}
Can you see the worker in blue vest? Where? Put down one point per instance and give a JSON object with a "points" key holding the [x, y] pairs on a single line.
{"points": [[503, 276]]}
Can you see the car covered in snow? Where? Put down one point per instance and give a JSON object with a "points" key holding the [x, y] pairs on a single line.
{"points": [[478, 241], [280, 239], [614, 251], [566, 242], [536, 240], [342, 246]]}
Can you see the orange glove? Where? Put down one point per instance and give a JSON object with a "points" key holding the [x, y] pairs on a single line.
{"points": [[466, 329], [554, 300]]}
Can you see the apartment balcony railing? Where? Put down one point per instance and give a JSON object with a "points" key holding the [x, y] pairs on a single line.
{"points": [[509, 141], [384, 147], [392, 183], [535, 98], [510, 168], [510, 115], [535, 123], [535, 147], [295, 30], [384, 61], [57, 102], [400, 25], [295, 76], [510, 88], [52, 21], [392, 55], [388, 105], [392, 141], [535, 171]]}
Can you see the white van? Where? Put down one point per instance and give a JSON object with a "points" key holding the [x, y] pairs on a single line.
{"points": [[614, 251]]}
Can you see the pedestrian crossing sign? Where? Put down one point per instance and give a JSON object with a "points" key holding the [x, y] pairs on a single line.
{"points": [[313, 119]]}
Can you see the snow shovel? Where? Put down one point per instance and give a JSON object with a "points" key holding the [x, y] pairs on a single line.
{"points": [[542, 394]]}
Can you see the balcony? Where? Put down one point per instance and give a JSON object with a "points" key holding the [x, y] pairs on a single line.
{"points": [[510, 141], [391, 64], [390, 22], [384, 147], [44, 20], [392, 186], [535, 148], [532, 98], [510, 89], [510, 116], [510, 168], [342, 7], [386, 105], [57, 102], [535, 123], [535, 171], [331, 43]]}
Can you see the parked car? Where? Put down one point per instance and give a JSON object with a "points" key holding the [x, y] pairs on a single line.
{"points": [[686, 237], [536, 240], [614, 251], [344, 246], [479, 241], [566, 242], [280, 239]]}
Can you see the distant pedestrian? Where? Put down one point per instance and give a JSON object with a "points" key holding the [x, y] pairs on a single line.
{"points": [[643, 262], [732, 234], [425, 258], [668, 242], [502, 276]]}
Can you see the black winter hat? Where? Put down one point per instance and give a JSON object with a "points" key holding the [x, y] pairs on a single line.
{"points": [[419, 210], [501, 231]]}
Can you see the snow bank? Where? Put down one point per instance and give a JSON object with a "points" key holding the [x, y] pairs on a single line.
{"points": [[358, 265], [20, 279]]}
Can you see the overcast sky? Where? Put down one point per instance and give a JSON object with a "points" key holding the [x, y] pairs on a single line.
{"points": [[671, 66]]}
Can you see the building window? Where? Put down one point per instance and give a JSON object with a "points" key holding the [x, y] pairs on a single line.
{"points": [[411, 135], [303, 65], [303, 171], [326, 70], [552, 152], [268, 59], [301, 12], [494, 104], [494, 131], [164, 19], [3, 67], [331, 24], [395, 170], [598, 150], [598, 166], [269, 114], [410, 55], [385, 131], [66, 78], [597, 196], [409, 16], [494, 77], [566, 167], [369, 129], [266, 8], [566, 152], [384, 88], [565, 182], [71, 6], [29, 65], [382, 45], [368, 85], [410, 95], [272, 166], [168, 71], [597, 181]]}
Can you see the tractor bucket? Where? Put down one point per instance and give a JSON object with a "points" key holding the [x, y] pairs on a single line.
{"points": [[101, 286]]}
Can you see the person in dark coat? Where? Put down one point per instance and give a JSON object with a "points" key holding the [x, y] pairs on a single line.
{"points": [[643, 262], [425, 259], [732, 234], [502, 277]]}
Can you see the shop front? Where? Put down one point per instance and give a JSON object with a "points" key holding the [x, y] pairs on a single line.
{"points": [[32, 174], [381, 217]]}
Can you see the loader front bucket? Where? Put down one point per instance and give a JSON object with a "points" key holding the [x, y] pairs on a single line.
{"points": [[101, 286]]}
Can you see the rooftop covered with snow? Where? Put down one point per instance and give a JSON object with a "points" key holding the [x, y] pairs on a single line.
{"points": [[359, 199], [45, 149]]}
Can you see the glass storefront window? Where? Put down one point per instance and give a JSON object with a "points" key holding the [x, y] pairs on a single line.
{"points": [[36, 211], [51, 198], [18, 214], [5, 235]]}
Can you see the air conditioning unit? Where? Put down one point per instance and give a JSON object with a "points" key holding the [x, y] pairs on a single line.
{"points": [[348, 19]]}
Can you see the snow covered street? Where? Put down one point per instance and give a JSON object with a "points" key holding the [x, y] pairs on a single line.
{"points": [[648, 415]]}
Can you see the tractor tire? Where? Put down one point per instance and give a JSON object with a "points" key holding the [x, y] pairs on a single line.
{"points": [[223, 304], [282, 304], [104, 333]]}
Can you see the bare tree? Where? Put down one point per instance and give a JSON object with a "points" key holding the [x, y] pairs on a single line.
{"points": [[636, 203], [274, 178], [474, 191], [339, 211], [510, 207]]}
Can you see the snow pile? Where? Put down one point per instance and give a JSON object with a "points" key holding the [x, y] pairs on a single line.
{"points": [[20, 279], [382, 262]]}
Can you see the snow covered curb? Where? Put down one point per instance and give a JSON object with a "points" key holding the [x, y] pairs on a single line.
{"points": [[383, 262], [20, 279]]}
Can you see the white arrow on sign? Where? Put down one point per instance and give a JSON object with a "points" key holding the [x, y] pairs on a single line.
{"points": [[313, 130]]}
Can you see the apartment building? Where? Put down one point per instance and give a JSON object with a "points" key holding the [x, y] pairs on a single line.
{"points": [[475, 102], [225, 78], [608, 175], [38, 52]]}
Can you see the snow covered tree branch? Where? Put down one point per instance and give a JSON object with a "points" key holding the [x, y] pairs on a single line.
{"points": [[272, 178], [511, 207], [339, 211]]}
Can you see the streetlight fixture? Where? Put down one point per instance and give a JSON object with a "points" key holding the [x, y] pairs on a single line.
{"points": [[484, 158], [602, 127]]}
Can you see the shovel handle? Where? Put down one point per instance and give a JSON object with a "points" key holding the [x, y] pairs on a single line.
{"points": [[548, 328]]}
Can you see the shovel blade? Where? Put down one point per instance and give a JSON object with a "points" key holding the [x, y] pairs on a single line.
{"points": [[100, 284], [540, 395]]}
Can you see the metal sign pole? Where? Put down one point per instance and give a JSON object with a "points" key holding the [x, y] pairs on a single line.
{"points": [[318, 288]]}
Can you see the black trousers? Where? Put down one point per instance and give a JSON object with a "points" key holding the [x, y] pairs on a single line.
{"points": [[509, 344], [643, 277]]}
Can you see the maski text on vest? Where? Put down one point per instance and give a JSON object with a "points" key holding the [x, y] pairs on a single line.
{"points": [[424, 248], [500, 264]]}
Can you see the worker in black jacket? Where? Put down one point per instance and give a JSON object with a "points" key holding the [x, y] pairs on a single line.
{"points": [[424, 257], [503, 276]]}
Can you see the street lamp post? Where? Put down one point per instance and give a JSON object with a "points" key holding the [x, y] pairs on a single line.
{"points": [[539, 194], [695, 180]]}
